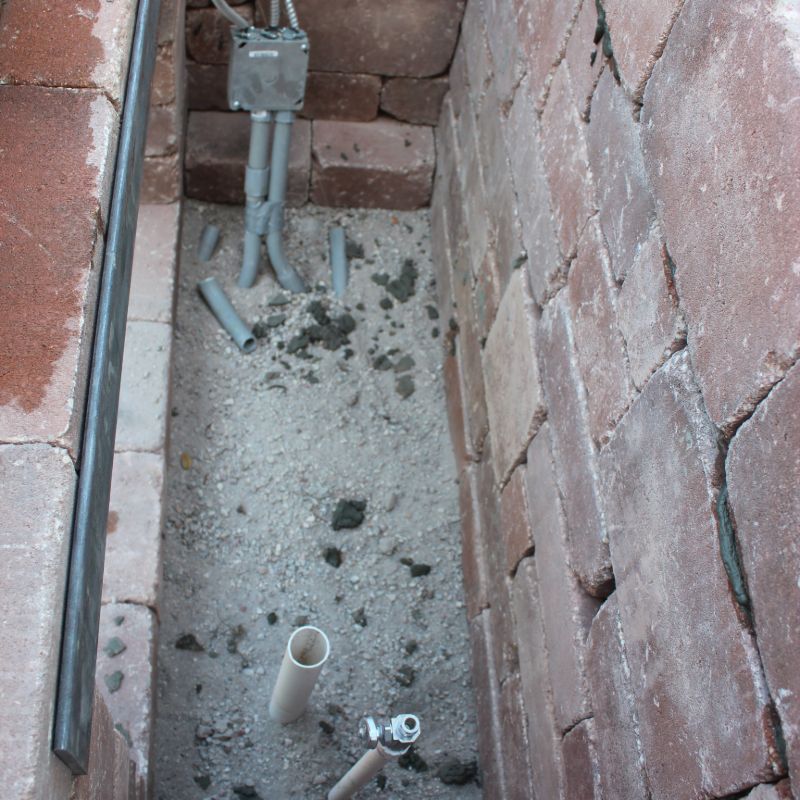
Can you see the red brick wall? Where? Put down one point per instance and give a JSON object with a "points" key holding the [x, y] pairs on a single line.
{"points": [[616, 239], [378, 74]]}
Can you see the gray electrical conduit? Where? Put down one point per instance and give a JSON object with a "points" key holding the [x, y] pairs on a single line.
{"points": [[222, 308], [237, 20], [256, 184], [338, 254], [279, 171]]}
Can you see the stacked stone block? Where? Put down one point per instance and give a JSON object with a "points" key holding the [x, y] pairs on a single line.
{"points": [[377, 77], [616, 253], [62, 84], [164, 150]]}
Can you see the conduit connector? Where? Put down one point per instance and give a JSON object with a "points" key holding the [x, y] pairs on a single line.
{"points": [[222, 308], [306, 653], [387, 740], [339, 267]]}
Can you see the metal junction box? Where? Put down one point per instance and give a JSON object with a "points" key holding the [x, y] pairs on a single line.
{"points": [[267, 70]]}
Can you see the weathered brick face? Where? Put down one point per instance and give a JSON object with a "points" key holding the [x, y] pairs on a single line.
{"points": [[615, 217], [377, 69]]}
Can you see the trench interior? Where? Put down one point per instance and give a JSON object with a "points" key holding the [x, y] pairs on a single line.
{"points": [[263, 447]]}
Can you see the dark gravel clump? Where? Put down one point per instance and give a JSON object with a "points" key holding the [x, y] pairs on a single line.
{"points": [[348, 514]]}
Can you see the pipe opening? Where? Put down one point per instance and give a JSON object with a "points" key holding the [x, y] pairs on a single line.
{"points": [[248, 345], [309, 647], [410, 724]]}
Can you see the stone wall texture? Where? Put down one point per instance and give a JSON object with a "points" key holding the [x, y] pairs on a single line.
{"points": [[615, 234], [63, 70], [377, 77]]}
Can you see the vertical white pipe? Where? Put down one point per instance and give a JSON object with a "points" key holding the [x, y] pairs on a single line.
{"points": [[360, 774], [308, 649]]}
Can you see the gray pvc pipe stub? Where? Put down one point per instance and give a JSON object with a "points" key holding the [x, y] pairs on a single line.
{"points": [[208, 243], [339, 266], [222, 308]]}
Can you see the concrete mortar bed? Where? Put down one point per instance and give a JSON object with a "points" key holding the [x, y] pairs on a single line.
{"points": [[259, 456]]}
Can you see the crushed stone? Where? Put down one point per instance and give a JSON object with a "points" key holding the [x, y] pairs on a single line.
{"points": [[277, 439]]}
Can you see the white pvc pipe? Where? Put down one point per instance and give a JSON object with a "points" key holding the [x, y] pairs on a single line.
{"points": [[360, 774], [307, 651]]}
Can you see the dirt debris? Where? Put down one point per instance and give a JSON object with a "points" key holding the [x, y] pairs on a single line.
{"points": [[247, 524]]}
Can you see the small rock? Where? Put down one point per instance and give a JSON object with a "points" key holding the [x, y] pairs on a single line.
{"points": [[124, 733], [300, 621], [119, 620], [272, 618], [188, 641], [275, 320], [203, 781], [113, 681], [360, 617], [403, 287], [411, 646], [406, 561], [454, 772], [346, 323], [386, 304], [260, 330], [353, 249], [381, 278], [326, 727], [246, 790], [333, 555], [391, 503], [381, 781], [405, 386], [406, 675], [234, 637], [348, 514], [278, 300], [382, 363], [433, 312], [404, 364], [114, 647], [418, 570], [297, 343], [186, 461]]}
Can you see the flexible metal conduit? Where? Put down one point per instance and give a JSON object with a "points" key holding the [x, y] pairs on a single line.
{"points": [[236, 19], [73, 719]]}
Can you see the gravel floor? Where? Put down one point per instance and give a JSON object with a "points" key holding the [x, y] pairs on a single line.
{"points": [[263, 448]]}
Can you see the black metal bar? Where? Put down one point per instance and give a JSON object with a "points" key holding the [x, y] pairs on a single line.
{"points": [[73, 719]]}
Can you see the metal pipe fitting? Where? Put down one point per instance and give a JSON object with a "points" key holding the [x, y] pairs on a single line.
{"points": [[222, 308], [306, 653], [338, 255], [386, 740]]}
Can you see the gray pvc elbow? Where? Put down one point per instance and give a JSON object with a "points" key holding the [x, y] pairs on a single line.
{"points": [[222, 308], [284, 271]]}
